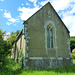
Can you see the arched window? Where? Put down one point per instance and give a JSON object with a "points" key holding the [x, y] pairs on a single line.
{"points": [[49, 37]]}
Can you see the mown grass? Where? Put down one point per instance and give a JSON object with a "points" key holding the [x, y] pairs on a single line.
{"points": [[15, 69]]}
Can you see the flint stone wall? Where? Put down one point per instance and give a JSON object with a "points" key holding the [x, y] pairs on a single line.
{"points": [[47, 63]]}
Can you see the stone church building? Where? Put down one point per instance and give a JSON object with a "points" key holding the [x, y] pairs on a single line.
{"points": [[44, 41]]}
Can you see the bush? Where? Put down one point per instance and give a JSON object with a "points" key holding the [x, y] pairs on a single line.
{"points": [[73, 55], [72, 43], [11, 67]]}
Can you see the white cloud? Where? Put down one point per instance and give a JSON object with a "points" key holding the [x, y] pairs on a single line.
{"points": [[1, 9], [10, 19], [34, 1], [69, 19], [58, 4], [1, 0], [6, 36], [27, 4], [7, 15], [43, 2], [8, 23], [73, 9], [27, 12], [13, 20], [22, 4]]}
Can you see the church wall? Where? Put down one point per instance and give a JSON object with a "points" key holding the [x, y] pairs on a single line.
{"points": [[18, 45], [38, 55], [36, 31], [23, 45], [62, 37]]}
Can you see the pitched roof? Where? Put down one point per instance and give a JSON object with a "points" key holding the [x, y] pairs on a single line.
{"points": [[55, 12]]}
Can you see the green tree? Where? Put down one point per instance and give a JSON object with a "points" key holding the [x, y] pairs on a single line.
{"points": [[4, 49], [13, 37], [72, 43]]}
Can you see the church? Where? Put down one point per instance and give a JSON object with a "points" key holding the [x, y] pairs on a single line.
{"points": [[44, 41]]}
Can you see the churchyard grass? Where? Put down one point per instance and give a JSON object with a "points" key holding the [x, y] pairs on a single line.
{"points": [[15, 69]]}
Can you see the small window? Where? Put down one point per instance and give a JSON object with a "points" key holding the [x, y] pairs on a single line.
{"points": [[49, 37], [49, 13]]}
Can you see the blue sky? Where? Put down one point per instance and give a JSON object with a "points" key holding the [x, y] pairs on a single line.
{"points": [[13, 12]]}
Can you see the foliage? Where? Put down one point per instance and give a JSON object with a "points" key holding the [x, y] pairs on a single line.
{"points": [[13, 37], [73, 55], [20, 57], [15, 69], [72, 43], [12, 68], [4, 49]]}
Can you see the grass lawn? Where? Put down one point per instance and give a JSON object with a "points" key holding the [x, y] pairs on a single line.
{"points": [[14, 69]]}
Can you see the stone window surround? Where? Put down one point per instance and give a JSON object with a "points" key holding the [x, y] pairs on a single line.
{"points": [[51, 23]]}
